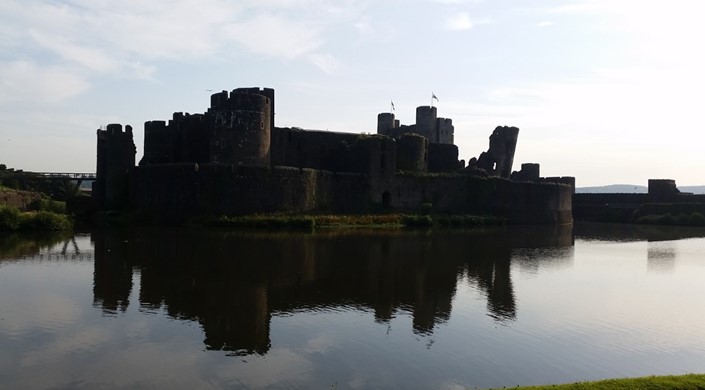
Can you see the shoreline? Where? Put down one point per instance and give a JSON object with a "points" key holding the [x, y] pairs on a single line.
{"points": [[685, 382]]}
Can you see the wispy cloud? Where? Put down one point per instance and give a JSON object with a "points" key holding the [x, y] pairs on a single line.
{"points": [[275, 36], [325, 62], [459, 22], [25, 80], [77, 40]]}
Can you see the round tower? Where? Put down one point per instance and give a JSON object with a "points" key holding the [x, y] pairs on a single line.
{"points": [[412, 152], [242, 130], [385, 121], [426, 122]]}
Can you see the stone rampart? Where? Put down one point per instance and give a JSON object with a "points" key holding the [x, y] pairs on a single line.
{"points": [[213, 189]]}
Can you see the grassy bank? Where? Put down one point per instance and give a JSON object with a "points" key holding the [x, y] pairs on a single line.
{"points": [[310, 222], [12, 219], [685, 382]]}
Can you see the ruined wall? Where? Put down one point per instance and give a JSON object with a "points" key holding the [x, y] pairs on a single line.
{"points": [[443, 158], [498, 159]]}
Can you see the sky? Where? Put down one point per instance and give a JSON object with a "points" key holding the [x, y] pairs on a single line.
{"points": [[608, 91]]}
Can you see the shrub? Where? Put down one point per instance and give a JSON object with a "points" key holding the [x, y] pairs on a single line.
{"points": [[44, 220], [49, 205], [697, 219], [10, 218]]}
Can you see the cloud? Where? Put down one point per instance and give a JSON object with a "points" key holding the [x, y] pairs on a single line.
{"points": [[87, 57], [76, 40], [545, 23], [455, 2], [325, 62], [25, 80], [459, 22], [275, 36]]}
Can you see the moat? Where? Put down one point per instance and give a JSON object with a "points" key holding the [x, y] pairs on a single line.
{"points": [[178, 308]]}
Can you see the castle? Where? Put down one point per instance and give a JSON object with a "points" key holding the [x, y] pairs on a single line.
{"points": [[232, 159]]}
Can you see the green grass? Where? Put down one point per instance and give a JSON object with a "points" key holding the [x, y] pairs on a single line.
{"points": [[269, 222], [311, 222], [685, 382]]}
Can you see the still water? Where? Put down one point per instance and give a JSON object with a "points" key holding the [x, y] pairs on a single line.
{"points": [[350, 309]]}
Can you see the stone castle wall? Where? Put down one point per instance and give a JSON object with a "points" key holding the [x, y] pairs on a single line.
{"points": [[213, 189]]}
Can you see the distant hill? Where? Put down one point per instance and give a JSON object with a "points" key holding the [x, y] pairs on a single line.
{"points": [[693, 189], [613, 189], [631, 189]]}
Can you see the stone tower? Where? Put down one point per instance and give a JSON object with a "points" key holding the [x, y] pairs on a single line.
{"points": [[115, 159], [242, 128], [426, 122]]}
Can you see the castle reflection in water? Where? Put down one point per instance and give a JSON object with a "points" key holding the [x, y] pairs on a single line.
{"points": [[232, 283]]}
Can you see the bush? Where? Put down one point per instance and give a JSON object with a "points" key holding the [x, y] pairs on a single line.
{"points": [[10, 218], [44, 220], [697, 219], [49, 205]]}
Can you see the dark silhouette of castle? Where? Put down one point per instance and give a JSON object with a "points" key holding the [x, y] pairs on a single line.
{"points": [[232, 159]]}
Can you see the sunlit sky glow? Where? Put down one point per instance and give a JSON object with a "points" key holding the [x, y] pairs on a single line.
{"points": [[607, 91]]}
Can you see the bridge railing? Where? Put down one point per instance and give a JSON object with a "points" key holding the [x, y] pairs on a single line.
{"points": [[70, 175]]}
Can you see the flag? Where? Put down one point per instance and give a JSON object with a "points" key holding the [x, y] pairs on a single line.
{"points": [[433, 96], [392, 101]]}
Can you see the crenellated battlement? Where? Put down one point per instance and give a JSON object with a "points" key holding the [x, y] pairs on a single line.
{"points": [[232, 159]]}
